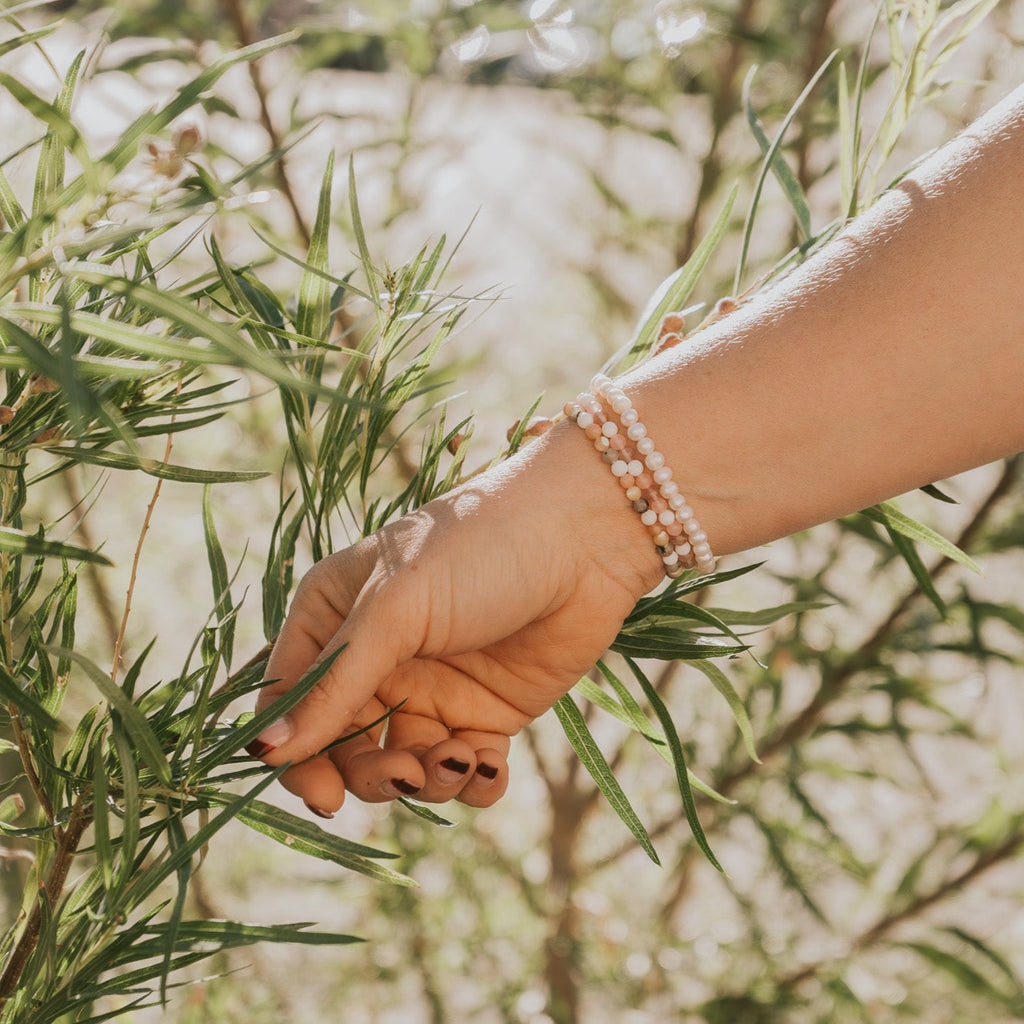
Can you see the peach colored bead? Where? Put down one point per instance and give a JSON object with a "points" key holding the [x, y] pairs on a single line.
{"points": [[626, 481], [660, 538], [645, 480], [593, 432], [618, 442], [601, 444], [674, 529], [634, 493], [659, 505]]}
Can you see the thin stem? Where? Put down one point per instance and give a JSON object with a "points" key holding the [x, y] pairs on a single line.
{"points": [[115, 666], [67, 845], [235, 11]]}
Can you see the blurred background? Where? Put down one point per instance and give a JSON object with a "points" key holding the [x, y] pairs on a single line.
{"points": [[581, 150]]}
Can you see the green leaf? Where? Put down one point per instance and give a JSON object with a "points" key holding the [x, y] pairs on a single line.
{"points": [[135, 723], [18, 542], [679, 758], [785, 177], [313, 316], [767, 166], [233, 934], [722, 684], [575, 728], [25, 702], [890, 516], [920, 572], [424, 812], [673, 292], [665, 644], [153, 467], [304, 837]]}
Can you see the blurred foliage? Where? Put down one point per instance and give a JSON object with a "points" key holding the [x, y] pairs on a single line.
{"points": [[872, 856]]}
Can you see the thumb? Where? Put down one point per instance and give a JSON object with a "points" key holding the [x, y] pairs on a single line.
{"points": [[368, 648]]}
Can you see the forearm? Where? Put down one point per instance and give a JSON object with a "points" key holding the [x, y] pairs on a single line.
{"points": [[893, 358]]}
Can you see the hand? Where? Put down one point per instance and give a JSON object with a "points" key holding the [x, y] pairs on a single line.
{"points": [[474, 613]]}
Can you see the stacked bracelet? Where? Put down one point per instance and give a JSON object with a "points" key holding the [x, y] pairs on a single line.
{"points": [[608, 419]]}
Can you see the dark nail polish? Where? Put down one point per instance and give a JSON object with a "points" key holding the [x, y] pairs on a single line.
{"points": [[488, 771], [319, 813], [405, 787], [259, 749], [453, 764]]}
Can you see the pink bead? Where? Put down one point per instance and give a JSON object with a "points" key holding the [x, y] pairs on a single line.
{"points": [[626, 481], [618, 442], [593, 432], [645, 480], [659, 505], [674, 529]]}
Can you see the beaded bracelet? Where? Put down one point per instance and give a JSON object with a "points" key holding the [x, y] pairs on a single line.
{"points": [[641, 472]]}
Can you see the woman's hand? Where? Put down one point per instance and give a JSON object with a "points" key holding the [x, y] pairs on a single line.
{"points": [[475, 614]]}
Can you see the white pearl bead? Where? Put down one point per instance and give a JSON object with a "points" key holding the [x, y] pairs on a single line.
{"points": [[698, 538], [655, 460], [669, 489], [691, 526], [584, 400], [636, 431], [609, 429], [619, 468], [683, 549], [636, 467], [584, 420], [684, 513], [676, 502], [672, 559], [662, 475], [645, 446], [598, 383], [649, 518], [621, 403], [629, 417], [667, 518]]}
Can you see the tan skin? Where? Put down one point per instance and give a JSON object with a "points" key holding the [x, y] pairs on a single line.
{"points": [[893, 358]]}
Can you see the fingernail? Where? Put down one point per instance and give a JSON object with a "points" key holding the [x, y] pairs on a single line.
{"points": [[275, 735], [487, 771], [450, 770], [318, 812], [405, 788]]}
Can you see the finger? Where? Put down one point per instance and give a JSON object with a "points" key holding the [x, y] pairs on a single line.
{"points": [[447, 768], [377, 775], [318, 782], [489, 780], [372, 641]]}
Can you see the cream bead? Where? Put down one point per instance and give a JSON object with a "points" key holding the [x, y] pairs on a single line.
{"points": [[634, 493], [609, 428], [655, 460], [584, 420], [667, 517], [649, 518], [619, 468], [636, 467]]}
